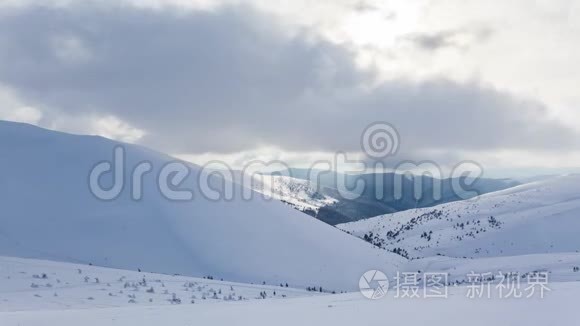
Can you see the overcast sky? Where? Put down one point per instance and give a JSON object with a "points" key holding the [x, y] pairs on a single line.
{"points": [[491, 81]]}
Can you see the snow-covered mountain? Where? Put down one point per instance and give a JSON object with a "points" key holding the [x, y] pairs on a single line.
{"points": [[48, 212], [321, 199], [298, 193], [535, 218]]}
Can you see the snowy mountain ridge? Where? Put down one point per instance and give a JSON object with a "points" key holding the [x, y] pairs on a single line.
{"points": [[535, 218]]}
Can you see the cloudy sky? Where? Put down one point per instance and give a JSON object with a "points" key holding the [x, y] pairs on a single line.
{"points": [[495, 82]]}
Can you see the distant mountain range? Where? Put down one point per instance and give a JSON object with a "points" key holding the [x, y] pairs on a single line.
{"points": [[322, 199]]}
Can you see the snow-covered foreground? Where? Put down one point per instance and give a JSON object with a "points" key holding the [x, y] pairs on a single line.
{"points": [[29, 284], [38, 292], [558, 307]]}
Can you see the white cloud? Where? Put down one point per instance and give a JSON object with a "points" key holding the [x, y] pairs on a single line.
{"points": [[112, 127], [107, 126], [24, 114], [12, 109]]}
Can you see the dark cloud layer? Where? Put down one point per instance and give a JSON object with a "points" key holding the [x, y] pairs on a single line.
{"points": [[233, 80], [450, 38]]}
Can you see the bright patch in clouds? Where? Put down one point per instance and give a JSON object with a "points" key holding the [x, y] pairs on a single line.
{"points": [[112, 127], [24, 114], [380, 24], [12, 109]]}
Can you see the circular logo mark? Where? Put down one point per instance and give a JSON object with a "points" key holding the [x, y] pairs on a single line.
{"points": [[373, 284], [380, 140]]}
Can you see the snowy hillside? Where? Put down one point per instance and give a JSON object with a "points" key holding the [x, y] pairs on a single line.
{"points": [[535, 218], [48, 212], [300, 194]]}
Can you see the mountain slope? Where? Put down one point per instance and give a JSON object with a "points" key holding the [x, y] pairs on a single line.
{"points": [[300, 194], [339, 210], [47, 211], [535, 218]]}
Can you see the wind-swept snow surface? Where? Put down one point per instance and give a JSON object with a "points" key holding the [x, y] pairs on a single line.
{"points": [[30, 284], [48, 212], [111, 302], [535, 218], [559, 308]]}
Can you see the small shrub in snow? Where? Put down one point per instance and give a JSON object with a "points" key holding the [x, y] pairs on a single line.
{"points": [[174, 299]]}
